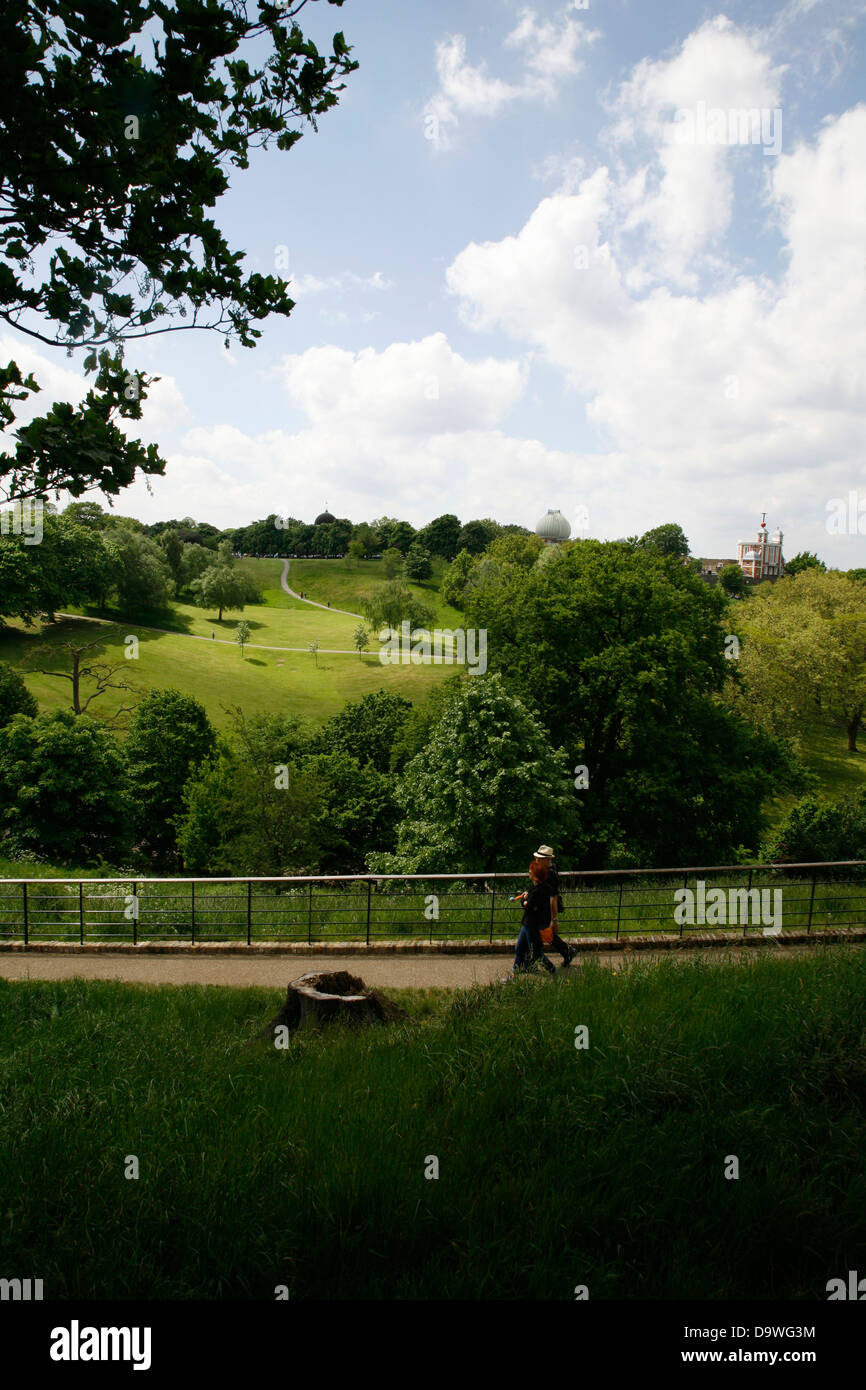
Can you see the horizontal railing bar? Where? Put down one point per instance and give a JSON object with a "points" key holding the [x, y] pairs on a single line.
{"points": [[464, 877]]}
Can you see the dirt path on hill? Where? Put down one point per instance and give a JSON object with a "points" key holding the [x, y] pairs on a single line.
{"points": [[396, 971]]}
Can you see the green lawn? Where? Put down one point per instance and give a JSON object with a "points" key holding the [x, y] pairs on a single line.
{"points": [[344, 584], [558, 1165], [265, 680], [216, 674]]}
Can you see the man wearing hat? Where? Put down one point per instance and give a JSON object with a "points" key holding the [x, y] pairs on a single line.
{"points": [[545, 854]]}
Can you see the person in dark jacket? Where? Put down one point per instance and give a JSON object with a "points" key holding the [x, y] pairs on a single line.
{"points": [[544, 855], [536, 914]]}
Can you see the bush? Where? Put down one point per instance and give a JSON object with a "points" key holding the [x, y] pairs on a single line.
{"points": [[15, 698], [817, 830]]}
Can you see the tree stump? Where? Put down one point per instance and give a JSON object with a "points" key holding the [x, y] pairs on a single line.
{"points": [[330, 996]]}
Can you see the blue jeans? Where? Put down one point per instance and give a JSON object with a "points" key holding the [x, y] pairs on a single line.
{"points": [[526, 941]]}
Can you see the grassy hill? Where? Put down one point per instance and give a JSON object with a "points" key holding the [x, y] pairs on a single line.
{"points": [[825, 755], [345, 584], [269, 678]]}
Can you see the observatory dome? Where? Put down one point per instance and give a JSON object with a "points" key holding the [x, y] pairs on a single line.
{"points": [[553, 527]]}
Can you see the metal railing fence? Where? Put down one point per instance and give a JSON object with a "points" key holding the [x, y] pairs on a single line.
{"points": [[432, 907]]}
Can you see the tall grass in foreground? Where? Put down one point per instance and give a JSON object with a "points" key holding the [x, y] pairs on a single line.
{"points": [[557, 1166]]}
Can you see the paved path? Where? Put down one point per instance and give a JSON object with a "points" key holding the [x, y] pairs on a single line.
{"points": [[224, 641], [327, 606], [396, 971]]}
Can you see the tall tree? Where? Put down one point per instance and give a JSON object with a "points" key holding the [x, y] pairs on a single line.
{"points": [[366, 728], [805, 560], [486, 784], [220, 587], [15, 698], [170, 736], [804, 657], [622, 653], [418, 562], [440, 535], [668, 539]]}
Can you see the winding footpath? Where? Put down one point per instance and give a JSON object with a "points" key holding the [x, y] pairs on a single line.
{"points": [[284, 580]]}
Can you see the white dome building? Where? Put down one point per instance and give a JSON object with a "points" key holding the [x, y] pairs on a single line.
{"points": [[553, 528]]}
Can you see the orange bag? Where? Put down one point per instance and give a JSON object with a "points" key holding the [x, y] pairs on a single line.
{"points": [[546, 935]]}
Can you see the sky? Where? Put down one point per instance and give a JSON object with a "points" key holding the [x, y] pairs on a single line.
{"points": [[541, 260]]}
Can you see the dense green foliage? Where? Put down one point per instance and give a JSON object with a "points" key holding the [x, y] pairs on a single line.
{"points": [[169, 736], [62, 788], [366, 729], [15, 698], [817, 830], [621, 652], [805, 560], [486, 782]]}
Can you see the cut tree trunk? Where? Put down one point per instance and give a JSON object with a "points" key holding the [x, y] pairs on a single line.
{"points": [[331, 996]]}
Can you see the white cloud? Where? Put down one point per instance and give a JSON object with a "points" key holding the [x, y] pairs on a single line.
{"points": [[549, 50], [363, 473], [408, 389], [704, 392], [338, 284], [687, 199]]}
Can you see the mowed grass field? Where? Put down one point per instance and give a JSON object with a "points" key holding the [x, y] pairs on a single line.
{"points": [[602, 1165], [344, 584], [263, 681]]}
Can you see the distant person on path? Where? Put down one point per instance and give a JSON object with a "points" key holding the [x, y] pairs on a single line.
{"points": [[213, 634], [536, 914], [544, 855]]}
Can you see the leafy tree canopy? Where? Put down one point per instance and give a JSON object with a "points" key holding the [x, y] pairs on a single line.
{"points": [[668, 539], [486, 783], [366, 729], [118, 124], [622, 653], [803, 561], [15, 698], [169, 736], [62, 788]]}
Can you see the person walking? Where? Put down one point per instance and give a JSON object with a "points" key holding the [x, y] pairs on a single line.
{"points": [[536, 914], [544, 855]]}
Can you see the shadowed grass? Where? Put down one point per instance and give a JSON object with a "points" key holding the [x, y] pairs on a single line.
{"points": [[557, 1166]]}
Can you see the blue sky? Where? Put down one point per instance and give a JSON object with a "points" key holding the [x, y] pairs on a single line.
{"points": [[528, 277]]}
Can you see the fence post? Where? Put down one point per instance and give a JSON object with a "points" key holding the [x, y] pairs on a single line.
{"points": [[492, 908], [26, 918], [134, 912], [749, 901], [811, 901], [80, 913], [310, 917], [193, 911], [369, 900], [683, 922], [619, 908], [249, 909]]}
